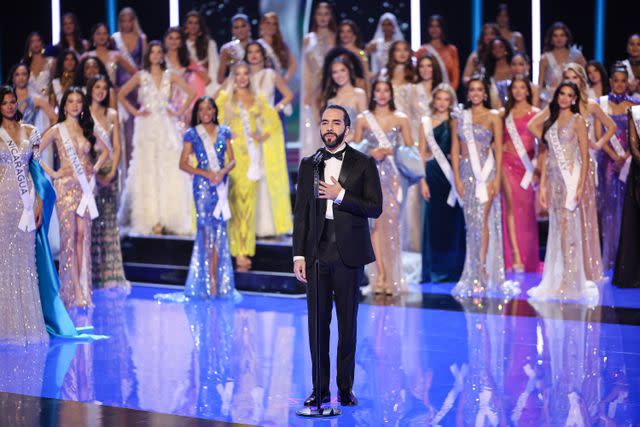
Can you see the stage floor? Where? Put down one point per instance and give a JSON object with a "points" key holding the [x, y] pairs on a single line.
{"points": [[516, 363]]}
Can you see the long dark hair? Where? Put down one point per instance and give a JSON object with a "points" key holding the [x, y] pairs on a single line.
{"points": [[26, 58], [333, 26], [96, 27], [559, 25], [554, 108], [486, 101], [9, 90], [146, 63], [604, 76], [354, 27], [85, 120], [436, 78], [266, 63], [91, 83], [409, 69], [77, 37], [280, 48], [194, 113], [510, 100], [440, 20], [60, 62], [490, 61], [14, 69], [183, 52], [202, 40], [372, 101], [79, 80], [329, 87]]}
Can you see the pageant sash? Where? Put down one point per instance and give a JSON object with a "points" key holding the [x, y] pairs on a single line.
{"points": [[88, 202], [383, 142], [102, 134], [442, 161], [222, 209], [570, 178], [481, 173], [57, 89], [275, 61], [423, 100], [627, 64], [522, 152], [117, 38], [615, 143], [555, 68], [635, 113], [27, 221], [316, 54], [432, 50], [255, 171]]}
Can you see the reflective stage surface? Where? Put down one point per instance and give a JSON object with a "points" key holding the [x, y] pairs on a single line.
{"points": [[426, 358]]}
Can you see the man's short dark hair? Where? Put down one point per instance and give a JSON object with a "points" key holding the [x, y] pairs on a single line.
{"points": [[347, 119]]}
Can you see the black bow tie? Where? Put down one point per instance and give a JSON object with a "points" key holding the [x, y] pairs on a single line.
{"points": [[328, 154]]}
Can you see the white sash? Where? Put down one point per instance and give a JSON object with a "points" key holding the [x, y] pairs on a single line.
{"points": [[117, 38], [255, 171], [423, 100], [27, 220], [432, 50], [57, 89], [383, 142], [102, 134], [314, 52], [555, 69], [277, 65], [88, 202], [222, 209], [522, 152], [615, 143], [442, 161], [481, 173], [632, 77], [570, 178]]}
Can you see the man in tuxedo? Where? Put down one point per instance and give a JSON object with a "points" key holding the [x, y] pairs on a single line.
{"points": [[349, 194]]}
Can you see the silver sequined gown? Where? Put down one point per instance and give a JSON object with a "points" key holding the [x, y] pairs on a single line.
{"points": [[564, 273], [388, 238], [474, 281], [22, 321]]}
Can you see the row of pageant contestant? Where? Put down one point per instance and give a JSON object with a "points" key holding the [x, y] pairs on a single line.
{"points": [[481, 180]]}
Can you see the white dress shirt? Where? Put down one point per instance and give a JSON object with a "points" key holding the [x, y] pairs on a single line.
{"points": [[332, 168]]}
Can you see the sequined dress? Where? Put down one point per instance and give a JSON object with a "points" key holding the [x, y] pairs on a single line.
{"points": [[211, 232], [69, 193], [564, 273], [478, 279], [553, 73], [22, 320], [106, 254], [157, 192], [387, 240]]}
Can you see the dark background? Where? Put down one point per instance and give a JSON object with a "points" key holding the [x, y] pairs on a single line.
{"points": [[18, 18]]}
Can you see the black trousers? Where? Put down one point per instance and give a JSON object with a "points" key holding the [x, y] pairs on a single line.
{"points": [[340, 283]]}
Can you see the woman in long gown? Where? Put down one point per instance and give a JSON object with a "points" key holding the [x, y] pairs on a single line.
{"points": [[626, 273], [446, 54], [474, 64], [339, 87], [521, 66], [63, 76], [520, 226], [28, 103], [558, 51], [476, 156], [277, 50], [615, 164], [234, 51], [383, 127], [106, 254], [387, 32], [111, 58], [74, 182], [203, 50], [265, 81], [349, 38], [564, 159], [598, 79], [497, 66], [259, 151], [40, 70], [429, 77], [211, 269], [443, 237], [90, 66], [22, 319], [401, 73], [157, 192], [315, 45], [632, 63]]}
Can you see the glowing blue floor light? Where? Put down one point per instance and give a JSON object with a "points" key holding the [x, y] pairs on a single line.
{"points": [[598, 42], [110, 6], [476, 21]]}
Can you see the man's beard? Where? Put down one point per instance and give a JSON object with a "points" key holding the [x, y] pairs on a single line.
{"points": [[338, 141]]}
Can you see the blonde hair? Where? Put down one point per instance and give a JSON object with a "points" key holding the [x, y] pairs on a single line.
{"points": [[232, 99], [584, 82], [443, 87], [136, 23]]}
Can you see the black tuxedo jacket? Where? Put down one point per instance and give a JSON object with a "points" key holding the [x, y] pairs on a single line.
{"points": [[363, 200]]}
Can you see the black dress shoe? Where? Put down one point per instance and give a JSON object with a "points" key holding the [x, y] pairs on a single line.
{"points": [[347, 399], [311, 400]]}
